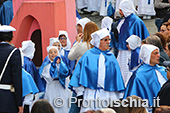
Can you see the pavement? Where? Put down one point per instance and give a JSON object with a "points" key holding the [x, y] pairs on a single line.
{"points": [[150, 24]]}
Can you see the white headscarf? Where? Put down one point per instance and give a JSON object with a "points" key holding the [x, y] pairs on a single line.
{"points": [[54, 40], [98, 35], [145, 52], [83, 22], [127, 7], [134, 42], [51, 47], [62, 32], [106, 23], [28, 49]]}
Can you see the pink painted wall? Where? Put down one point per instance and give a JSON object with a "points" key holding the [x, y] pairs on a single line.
{"points": [[49, 16]]}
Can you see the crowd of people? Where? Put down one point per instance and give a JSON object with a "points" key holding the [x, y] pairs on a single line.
{"points": [[119, 61]]}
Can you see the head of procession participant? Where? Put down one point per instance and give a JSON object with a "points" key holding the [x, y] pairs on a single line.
{"points": [[133, 42], [52, 52], [126, 8], [55, 42], [28, 49], [64, 40], [107, 23], [149, 54], [89, 28], [81, 24], [101, 39]]}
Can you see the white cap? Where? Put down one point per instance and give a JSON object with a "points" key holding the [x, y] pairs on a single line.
{"points": [[6, 28], [83, 22], [51, 47], [62, 32], [127, 7], [53, 40], [134, 41], [107, 23], [145, 52], [98, 35], [28, 48]]}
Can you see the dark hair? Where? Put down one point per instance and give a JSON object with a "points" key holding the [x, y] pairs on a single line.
{"points": [[61, 36], [154, 40], [6, 36], [42, 106]]}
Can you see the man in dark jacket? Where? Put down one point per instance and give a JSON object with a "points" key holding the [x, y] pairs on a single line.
{"points": [[11, 77]]}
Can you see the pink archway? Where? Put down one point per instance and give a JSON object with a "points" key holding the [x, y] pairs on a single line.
{"points": [[49, 16]]}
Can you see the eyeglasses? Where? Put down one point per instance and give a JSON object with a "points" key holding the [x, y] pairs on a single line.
{"points": [[106, 39], [63, 38]]}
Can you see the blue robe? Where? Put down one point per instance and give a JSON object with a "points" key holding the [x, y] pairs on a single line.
{"points": [[61, 74], [32, 70], [132, 25], [53, 70], [70, 63], [134, 61], [86, 71], [6, 13], [144, 82], [28, 84]]}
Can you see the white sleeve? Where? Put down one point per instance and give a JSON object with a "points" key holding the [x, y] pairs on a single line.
{"points": [[79, 90], [28, 99], [74, 52]]}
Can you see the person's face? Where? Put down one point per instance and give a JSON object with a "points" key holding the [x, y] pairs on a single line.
{"points": [[154, 57], [167, 50], [167, 32], [57, 44], [104, 43], [121, 13], [52, 54], [63, 41], [163, 28], [79, 29]]}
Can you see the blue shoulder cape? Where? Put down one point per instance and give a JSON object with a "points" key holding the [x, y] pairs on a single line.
{"points": [[134, 61], [62, 73], [28, 84], [132, 25], [86, 71], [33, 71], [144, 82], [70, 63], [6, 13]]}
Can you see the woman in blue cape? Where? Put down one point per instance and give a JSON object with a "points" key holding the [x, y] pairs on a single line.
{"points": [[148, 79], [28, 49], [97, 74], [55, 73], [129, 25]]}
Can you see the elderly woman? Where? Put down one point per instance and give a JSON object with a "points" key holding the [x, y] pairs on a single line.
{"points": [[94, 73]]}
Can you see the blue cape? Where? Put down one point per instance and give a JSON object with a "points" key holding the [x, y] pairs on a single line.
{"points": [[28, 84], [33, 71], [6, 13], [144, 82], [86, 71], [134, 59], [132, 25], [70, 63], [62, 73]]}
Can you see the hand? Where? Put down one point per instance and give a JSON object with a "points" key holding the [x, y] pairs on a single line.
{"points": [[58, 61], [21, 109], [79, 37]]}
